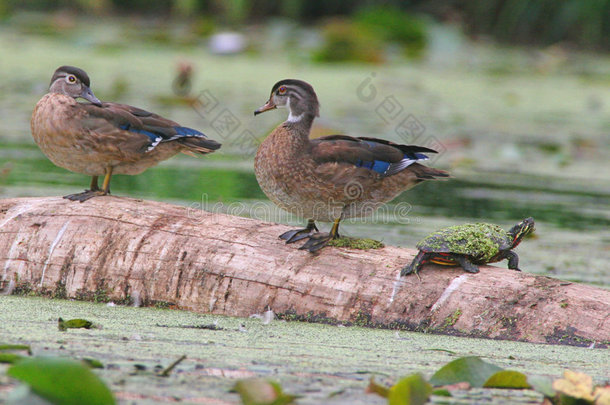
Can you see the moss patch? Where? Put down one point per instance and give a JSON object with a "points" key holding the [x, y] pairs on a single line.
{"points": [[452, 319], [480, 240], [356, 243]]}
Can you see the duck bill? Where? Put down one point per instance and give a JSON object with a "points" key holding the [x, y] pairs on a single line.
{"points": [[270, 105], [88, 95]]}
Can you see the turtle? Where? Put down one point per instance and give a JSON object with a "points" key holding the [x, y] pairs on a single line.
{"points": [[470, 244]]}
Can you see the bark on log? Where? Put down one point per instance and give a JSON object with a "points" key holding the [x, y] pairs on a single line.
{"points": [[117, 248]]}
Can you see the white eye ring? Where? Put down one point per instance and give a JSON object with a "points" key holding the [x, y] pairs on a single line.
{"points": [[70, 79]]}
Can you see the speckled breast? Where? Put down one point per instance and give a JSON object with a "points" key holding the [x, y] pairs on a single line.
{"points": [[289, 179]]}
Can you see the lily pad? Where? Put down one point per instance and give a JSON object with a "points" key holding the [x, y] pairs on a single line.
{"points": [[411, 390], [8, 347], [258, 391], [470, 369], [507, 379], [73, 324], [9, 357], [542, 384], [62, 381]]}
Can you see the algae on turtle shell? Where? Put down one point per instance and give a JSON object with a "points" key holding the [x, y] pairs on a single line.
{"points": [[481, 240]]}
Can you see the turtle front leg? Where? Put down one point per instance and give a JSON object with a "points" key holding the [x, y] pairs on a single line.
{"points": [[296, 235], [95, 190], [416, 264], [466, 264], [318, 240], [513, 260]]}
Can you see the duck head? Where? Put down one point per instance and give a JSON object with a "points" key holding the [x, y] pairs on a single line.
{"points": [[73, 82], [297, 96]]}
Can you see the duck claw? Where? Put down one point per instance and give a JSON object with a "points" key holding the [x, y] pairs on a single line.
{"points": [[85, 195], [296, 235], [316, 242]]}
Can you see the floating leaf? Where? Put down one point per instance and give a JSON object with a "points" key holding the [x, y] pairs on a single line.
{"points": [[9, 357], [92, 363], [507, 379], [257, 391], [470, 369], [378, 389], [62, 381], [441, 392], [411, 390], [73, 324], [6, 347], [542, 384]]}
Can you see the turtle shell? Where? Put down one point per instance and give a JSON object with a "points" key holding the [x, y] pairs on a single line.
{"points": [[480, 241]]}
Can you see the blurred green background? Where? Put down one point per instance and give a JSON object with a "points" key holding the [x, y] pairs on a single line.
{"points": [[514, 95]]}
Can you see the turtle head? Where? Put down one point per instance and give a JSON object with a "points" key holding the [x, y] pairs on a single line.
{"points": [[520, 230]]}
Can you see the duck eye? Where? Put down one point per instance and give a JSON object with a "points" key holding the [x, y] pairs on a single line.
{"points": [[71, 79], [281, 90]]}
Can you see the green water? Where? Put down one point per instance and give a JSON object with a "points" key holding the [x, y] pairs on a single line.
{"points": [[520, 141]]}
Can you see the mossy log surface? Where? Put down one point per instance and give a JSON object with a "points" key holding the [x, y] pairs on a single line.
{"points": [[121, 249]]}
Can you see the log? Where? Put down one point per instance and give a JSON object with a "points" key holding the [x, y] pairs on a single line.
{"points": [[126, 250]]}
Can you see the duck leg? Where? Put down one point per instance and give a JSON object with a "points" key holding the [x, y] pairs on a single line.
{"points": [[318, 240], [95, 190], [93, 186], [298, 234]]}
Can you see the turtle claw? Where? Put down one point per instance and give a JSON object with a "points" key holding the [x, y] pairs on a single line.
{"points": [[316, 242], [406, 271], [466, 264]]}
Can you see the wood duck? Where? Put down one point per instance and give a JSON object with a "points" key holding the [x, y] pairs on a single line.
{"points": [[332, 177], [98, 138]]}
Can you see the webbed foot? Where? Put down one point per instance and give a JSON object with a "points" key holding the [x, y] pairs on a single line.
{"points": [[85, 195], [94, 190], [317, 241], [296, 235]]}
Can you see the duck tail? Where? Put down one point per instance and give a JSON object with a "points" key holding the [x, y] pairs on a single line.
{"points": [[199, 145], [428, 173]]}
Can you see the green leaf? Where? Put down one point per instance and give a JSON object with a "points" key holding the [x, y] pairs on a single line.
{"points": [[470, 369], [73, 324], [507, 379], [411, 390], [62, 381], [5, 347], [9, 357], [257, 391], [543, 385], [92, 363], [441, 392]]}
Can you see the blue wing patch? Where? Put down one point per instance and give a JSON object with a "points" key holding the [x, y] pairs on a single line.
{"points": [[154, 138], [388, 169], [184, 131]]}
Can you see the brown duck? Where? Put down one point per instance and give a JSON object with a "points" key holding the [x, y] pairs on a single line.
{"points": [[333, 177], [102, 139]]}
